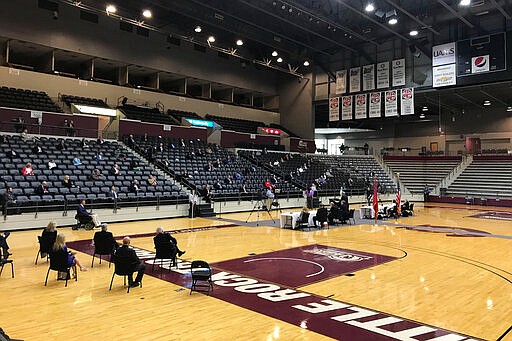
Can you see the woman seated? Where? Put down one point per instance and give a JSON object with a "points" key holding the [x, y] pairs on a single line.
{"points": [[67, 182], [48, 238], [60, 244], [27, 170], [152, 181], [52, 164]]}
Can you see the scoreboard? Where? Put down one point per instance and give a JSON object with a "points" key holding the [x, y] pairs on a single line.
{"points": [[481, 55]]}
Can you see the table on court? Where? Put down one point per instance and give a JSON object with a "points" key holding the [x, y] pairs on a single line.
{"points": [[289, 219], [368, 211]]}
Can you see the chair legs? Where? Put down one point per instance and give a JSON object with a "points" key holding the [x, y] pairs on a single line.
{"points": [[12, 268], [92, 263], [124, 281], [46, 281], [37, 257], [68, 275]]}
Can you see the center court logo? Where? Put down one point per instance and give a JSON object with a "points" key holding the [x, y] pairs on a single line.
{"points": [[339, 256]]}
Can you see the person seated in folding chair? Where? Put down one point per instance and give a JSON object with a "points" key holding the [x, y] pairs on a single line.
{"points": [[392, 211], [60, 244], [105, 238], [48, 237], [3, 245], [321, 217], [126, 254], [334, 213], [303, 219], [85, 216], [406, 209], [165, 237]]}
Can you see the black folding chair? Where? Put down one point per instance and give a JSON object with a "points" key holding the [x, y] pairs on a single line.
{"points": [[6, 261], [102, 247], [45, 244], [122, 267], [165, 251], [201, 272], [321, 216], [59, 263], [303, 220]]}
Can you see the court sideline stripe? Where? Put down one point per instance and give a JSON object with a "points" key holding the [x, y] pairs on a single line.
{"points": [[505, 333]]}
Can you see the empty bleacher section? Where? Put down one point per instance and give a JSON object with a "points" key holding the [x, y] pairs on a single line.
{"points": [[179, 114], [95, 102], [353, 173], [145, 114], [197, 163], [236, 124], [486, 176], [416, 172], [95, 191], [27, 99]]}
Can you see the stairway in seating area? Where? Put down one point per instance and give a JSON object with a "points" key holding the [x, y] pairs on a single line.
{"points": [[418, 171], [205, 210]]}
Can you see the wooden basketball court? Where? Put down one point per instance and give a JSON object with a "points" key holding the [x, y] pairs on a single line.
{"points": [[439, 275]]}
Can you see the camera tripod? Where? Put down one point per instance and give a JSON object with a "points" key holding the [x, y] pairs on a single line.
{"points": [[258, 207]]}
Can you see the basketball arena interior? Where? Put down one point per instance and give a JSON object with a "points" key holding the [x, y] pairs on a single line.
{"points": [[256, 170]]}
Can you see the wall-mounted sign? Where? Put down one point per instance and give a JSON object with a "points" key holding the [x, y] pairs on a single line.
{"points": [[200, 123], [443, 54]]}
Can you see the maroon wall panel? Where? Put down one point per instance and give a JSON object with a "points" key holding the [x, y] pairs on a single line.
{"points": [[230, 138]]}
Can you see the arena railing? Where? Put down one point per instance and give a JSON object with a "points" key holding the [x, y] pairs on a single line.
{"points": [[45, 129]]}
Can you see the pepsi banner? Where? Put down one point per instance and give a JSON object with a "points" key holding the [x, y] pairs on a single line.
{"points": [[480, 64], [383, 75], [355, 79], [407, 102], [398, 76], [375, 104], [341, 81], [391, 103], [368, 77], [346, 108], [360, 110], [334, 109]]}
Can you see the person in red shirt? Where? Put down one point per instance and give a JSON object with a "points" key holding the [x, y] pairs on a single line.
{"points": [[27, 170]]}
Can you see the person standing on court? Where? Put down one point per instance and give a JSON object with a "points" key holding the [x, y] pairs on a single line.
{"points": [[130, 259]]}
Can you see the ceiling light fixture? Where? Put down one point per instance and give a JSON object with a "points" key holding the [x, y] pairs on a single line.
{"points": [[413, 33], [211, 39], [198, 29], [509, 108], [487, 102], [279, 60], [393, 21], [422, 115], [306, 63], [111, 9], [239, 42], [425, 108], [369, 8], [465, 2], [274, 54], [147, 14]]}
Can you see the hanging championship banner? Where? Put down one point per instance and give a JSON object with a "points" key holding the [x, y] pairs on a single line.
{"points": [[383, 75], [391, 104], [360, 109], [334, 109], [341, 81], [368, 77], [375, 104], [355, 79], [407, 102], [398, 67], [346, 107]]}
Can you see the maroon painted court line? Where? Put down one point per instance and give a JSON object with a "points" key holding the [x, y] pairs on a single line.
{"points": [[332, 318], [449, 230], [304, 265], [497, 215]]}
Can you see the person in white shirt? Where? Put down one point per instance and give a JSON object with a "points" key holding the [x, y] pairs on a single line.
{"points": [[52, 164], [193, 200]]}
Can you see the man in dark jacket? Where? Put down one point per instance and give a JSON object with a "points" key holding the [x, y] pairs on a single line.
{"points": [[165, 237], [129, 258]]}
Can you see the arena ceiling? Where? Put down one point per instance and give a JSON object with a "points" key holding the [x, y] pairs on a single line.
{"points": [[316, 30]]}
